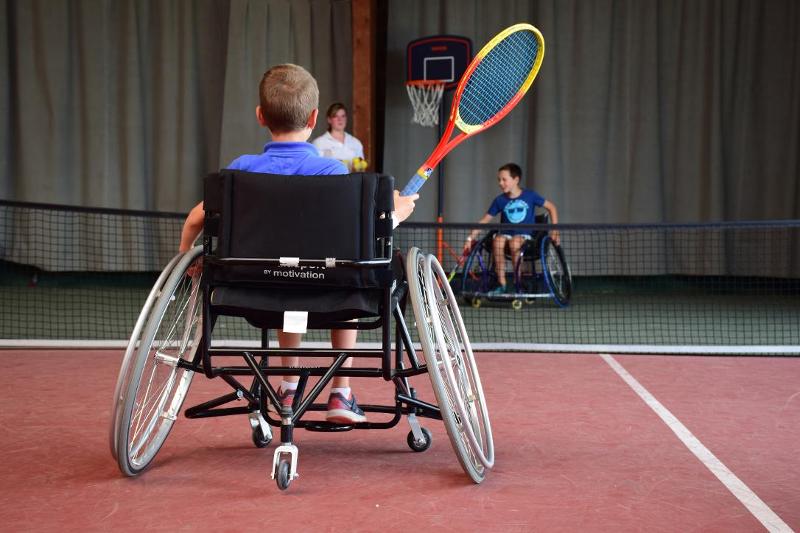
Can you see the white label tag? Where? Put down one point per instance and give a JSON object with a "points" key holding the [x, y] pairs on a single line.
{"points": [[289, 261], [295, 321]]}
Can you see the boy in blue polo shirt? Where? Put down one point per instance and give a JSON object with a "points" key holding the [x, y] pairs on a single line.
{"points": [[515, 206], [288, 107]]}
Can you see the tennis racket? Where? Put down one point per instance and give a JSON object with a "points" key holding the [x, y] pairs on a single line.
{"points": [[494, 82], [460, 262]]}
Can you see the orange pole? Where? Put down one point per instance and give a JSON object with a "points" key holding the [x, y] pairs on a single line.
{"points": [[440, 240]]}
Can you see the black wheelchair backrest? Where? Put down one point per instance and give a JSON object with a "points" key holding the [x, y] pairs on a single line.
{"points": [[347, 217]]}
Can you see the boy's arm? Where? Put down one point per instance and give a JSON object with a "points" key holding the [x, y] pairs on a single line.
{"points": [[472, 234], [192, 227], [551, 208]]}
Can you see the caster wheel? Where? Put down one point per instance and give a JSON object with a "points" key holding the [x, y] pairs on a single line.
{"points": [[420, 446], [282, 479], [259, 439], [516, 304]]}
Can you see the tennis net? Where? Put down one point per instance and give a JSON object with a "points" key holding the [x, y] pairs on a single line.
{"points": [[78, 277]]}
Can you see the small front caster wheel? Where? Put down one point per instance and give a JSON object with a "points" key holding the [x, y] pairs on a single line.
{"points": [[420, 446], [282, 479], [259, 439]]}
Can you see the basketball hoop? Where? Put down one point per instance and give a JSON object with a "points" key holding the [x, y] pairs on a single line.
{"points": [[425, 96]]}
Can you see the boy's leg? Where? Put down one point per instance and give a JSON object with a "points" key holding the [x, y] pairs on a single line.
{"points": [[342, 406], [288, 383], [290, 340], [514, 246], [499, 254], [343, 339]]}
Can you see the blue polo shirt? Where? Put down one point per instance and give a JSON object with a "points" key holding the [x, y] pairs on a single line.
{"points": [[289, 158]]}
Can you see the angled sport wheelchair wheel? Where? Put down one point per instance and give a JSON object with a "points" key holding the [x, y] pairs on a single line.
{"points": [[556, 271], [478, 275], [130, 351], [451, 364], [156, 383]]}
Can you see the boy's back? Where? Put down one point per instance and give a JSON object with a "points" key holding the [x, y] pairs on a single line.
{"points": [[289, 158]]}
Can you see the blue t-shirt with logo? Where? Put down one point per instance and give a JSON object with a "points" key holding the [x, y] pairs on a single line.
{"points": [[289, 158], [519, 210]]}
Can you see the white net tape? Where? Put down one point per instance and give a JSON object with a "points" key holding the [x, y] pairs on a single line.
{"points": [[425, 99]]}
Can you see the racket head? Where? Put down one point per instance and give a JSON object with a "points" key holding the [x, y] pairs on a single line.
{"points": [[497, 78]]}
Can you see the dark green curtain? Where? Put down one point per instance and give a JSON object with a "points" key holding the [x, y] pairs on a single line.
{"points": [[643, 111], [130, 103]]}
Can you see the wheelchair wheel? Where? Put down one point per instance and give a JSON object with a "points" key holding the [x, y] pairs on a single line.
{"points": [[556, 272], [478, 275], [157, 382], [461, 369], [133, 343], [451, 365]]}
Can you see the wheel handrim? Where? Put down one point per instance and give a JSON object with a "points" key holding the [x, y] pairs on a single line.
{"points": [[130, 351], [164, 384], [556, 272], [457, 361], [450, 416]]}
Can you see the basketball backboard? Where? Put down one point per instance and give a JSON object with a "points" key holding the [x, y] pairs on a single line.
{"points": [[438, 57]]}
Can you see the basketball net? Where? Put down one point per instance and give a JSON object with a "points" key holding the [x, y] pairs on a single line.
{"points": [[425, 96]]}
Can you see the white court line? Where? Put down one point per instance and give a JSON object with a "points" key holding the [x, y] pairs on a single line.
{"points": [[754, 504]]}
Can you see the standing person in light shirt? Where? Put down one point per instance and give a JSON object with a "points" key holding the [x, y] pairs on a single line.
{"points": [[337, 143]]}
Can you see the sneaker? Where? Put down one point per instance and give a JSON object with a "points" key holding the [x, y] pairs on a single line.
{"points": [[343, 410], [497, 291], [286, 398]]}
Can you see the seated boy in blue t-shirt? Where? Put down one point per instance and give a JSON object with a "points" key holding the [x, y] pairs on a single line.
{"points": [[515, 206], [288, 107]]}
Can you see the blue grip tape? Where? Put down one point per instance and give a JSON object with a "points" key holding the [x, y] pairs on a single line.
{"points": [[414, 185]]}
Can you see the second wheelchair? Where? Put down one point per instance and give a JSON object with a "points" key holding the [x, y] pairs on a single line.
{"points": [[540, 272]]}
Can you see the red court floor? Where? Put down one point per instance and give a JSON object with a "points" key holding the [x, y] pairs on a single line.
{"points": [[577, 450]]}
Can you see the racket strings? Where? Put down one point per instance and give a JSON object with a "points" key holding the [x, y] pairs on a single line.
{"points": [[498, 77]]}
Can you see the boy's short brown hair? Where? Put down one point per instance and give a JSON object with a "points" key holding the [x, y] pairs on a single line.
{"points": [[287, 95], [513, 169]]}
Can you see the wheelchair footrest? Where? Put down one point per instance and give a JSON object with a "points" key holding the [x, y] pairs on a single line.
{"points": [[326, 427]]}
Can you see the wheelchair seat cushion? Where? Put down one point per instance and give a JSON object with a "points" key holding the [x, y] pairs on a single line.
{"points": [[265, 307]]}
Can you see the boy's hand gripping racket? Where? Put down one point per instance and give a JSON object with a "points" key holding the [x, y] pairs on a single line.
{"points": [[494, 82]]}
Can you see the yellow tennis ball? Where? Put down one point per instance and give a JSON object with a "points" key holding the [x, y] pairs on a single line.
{"points": [[359, 164]]}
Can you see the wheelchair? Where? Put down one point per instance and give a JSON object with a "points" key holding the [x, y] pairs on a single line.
{"points": [[330, 263], [541, 272]]}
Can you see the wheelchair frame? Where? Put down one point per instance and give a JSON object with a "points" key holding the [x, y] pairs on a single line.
{"points": [[555, 276], [172, 340]]}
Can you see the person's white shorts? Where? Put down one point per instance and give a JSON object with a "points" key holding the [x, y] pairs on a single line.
{"points": [[525, 236]]}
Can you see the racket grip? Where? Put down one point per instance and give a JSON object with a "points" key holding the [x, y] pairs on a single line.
{"points": [[413, 186]]}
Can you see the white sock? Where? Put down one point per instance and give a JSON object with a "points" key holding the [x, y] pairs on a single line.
{"points": [[288, 385], [344, 391]]}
